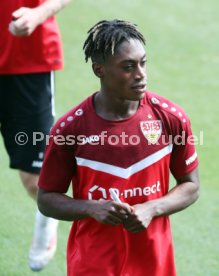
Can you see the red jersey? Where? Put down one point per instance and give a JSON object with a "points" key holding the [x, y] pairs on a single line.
{"points": [[132, 156], [39, 52]]}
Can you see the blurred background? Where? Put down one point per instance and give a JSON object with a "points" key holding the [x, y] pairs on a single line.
{"points": [[182, 45]]}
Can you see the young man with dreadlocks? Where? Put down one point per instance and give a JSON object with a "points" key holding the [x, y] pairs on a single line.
{"points": [[114, 147]]}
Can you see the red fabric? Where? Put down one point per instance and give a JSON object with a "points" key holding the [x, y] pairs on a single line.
{"points": [[138, 172], [39, 52]]}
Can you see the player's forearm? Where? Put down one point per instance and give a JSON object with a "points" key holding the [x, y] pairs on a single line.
{"points": [[50, 8], [62, 207], [180, 197]]}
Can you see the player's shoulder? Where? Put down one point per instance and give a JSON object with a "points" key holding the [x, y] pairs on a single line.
{"points": [[70, 120], [166, 106]]}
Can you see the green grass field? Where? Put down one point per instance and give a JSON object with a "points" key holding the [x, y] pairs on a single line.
{"points": [[183, 65]]}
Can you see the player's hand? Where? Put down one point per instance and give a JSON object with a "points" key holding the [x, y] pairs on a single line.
{"points": [[110, 212], [24, 22], [141, 218]]}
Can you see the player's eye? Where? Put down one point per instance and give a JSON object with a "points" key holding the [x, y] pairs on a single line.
{"points": [[128, 67], [143, 62]]}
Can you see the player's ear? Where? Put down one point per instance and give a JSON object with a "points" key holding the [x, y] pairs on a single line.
{"points": [[98, 69]]}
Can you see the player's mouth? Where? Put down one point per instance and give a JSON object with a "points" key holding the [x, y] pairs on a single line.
{"points": [[140, 88]]}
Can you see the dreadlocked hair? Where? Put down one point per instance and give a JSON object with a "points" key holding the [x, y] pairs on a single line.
{"points": [[105, 36]]}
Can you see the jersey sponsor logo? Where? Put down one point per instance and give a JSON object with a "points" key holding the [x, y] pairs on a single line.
{"points": [[191, 159], [97, 192], [90, 139], [97, 188], [151, 130]]}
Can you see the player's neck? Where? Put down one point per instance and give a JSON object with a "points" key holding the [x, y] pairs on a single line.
{"points": [[114, 109]]}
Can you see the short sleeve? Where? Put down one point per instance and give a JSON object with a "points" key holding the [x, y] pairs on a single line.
{"points": [[184, 157], [58, 167]]}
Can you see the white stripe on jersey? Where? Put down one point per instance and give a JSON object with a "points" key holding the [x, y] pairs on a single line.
{"points": [[121, 172]]}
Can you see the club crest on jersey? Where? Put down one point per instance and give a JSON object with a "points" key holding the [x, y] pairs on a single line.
{"points": [[152, 130]]}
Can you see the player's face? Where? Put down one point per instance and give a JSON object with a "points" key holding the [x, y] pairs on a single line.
{"points": [[125, 73]]}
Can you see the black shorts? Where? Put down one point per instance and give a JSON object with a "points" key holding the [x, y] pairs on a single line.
{"points": [[26, 108]]}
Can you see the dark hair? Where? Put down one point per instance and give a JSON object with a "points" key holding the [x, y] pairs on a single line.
{"points": [[105, 36]]}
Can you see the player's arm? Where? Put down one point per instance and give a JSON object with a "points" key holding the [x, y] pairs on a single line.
{"points": [[181, 196], [63, 207], [25, 20], [185, 193]]}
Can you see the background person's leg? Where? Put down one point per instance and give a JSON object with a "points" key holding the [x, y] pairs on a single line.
{"points": [[44, 241], [28, 109], [29, 181]]}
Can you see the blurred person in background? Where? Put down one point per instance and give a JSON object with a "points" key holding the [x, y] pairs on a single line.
{"points": [[30, 52]]}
